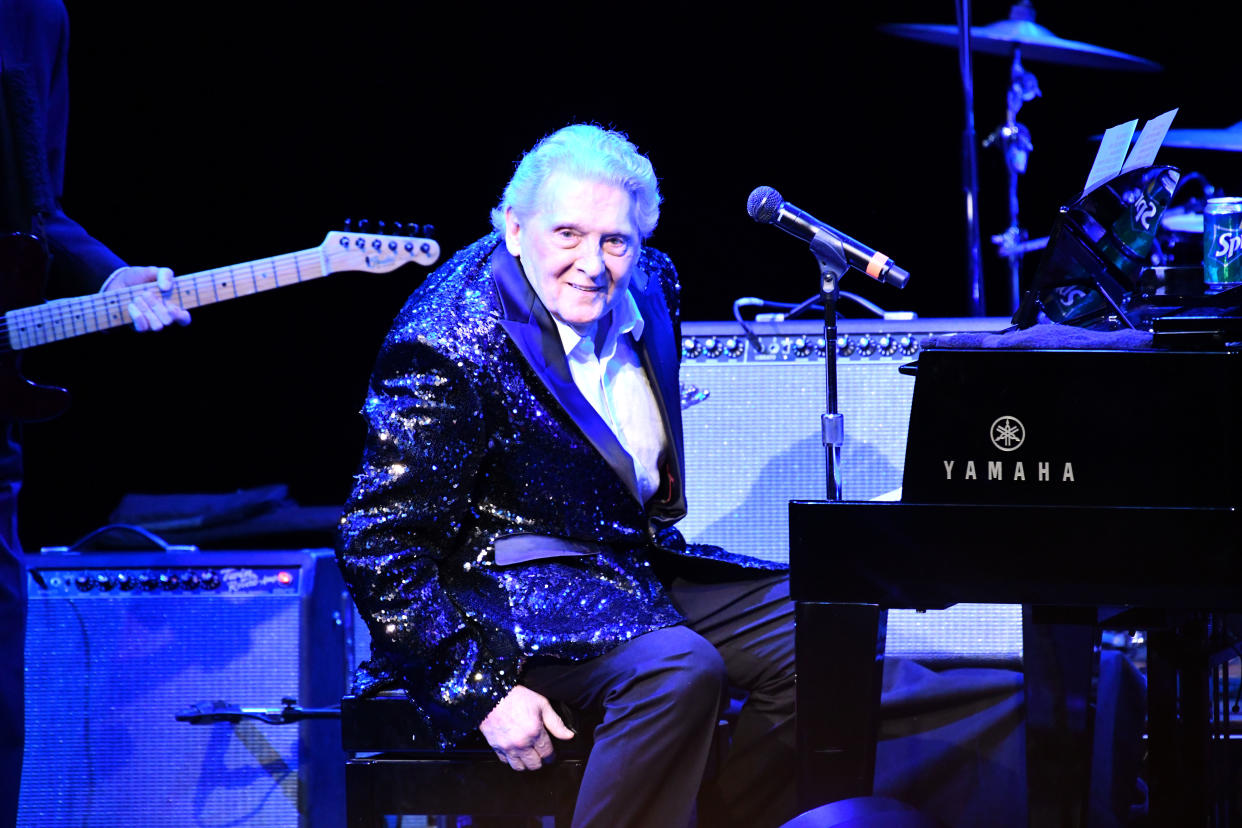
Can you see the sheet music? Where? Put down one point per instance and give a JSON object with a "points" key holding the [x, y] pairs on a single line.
{"points": [[1148, 144], [1112, 153]]}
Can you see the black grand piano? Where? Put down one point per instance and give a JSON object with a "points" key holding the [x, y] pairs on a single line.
{"points": [[1086, 471]]}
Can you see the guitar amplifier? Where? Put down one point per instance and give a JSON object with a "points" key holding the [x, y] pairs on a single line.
{"points": [[119, 643], [751, 418], [752, 408]]}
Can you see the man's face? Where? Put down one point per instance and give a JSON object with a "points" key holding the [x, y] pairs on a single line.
{"points": [[578, 249]]}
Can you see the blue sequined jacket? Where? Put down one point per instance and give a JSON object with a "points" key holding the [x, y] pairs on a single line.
{"points": [[495, 516]]}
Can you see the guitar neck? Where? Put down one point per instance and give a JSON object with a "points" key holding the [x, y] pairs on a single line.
{"points": [[79, 315], [66, 318]]}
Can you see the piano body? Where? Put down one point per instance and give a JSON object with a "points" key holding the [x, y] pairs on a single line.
{"points": [[1093, 483]]}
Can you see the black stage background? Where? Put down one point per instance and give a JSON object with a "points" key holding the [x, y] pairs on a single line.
{"points": [[205, 136]]}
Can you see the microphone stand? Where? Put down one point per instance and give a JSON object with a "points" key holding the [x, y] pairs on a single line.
{"points": [[830, 254], [219, 711]]}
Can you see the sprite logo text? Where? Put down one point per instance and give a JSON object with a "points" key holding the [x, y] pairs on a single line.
{"points": [[1144, 212], [1227, 247]]}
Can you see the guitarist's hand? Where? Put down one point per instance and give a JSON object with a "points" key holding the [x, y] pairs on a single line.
{"points": [[150, 309]]}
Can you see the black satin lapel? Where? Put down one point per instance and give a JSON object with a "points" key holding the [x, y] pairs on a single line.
{"points": [[532, 330], [659, 350]]}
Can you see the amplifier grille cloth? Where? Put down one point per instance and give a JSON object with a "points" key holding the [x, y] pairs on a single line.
{"points": [[754, 443], [101, 740], [107, 672]]}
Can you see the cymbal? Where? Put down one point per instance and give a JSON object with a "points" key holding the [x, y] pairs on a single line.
{"points": [[1035, 41], [1228, 139], [1183, 222]]}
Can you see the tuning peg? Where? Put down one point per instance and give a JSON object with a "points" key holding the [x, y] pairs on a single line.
{"points": [[349, 225], [364, 226], [429, 230], [398, 228], [383, 228]]}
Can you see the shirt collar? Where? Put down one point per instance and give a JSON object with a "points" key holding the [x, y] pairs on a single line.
{"points": [[625, 319]]}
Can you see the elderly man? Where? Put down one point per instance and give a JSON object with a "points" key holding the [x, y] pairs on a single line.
{"points": [[510, 539]]}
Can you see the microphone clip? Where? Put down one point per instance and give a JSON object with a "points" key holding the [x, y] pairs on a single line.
{"points": [[830, 254]]}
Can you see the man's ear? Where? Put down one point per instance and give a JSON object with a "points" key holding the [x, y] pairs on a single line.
{"points": [[513, 233]]}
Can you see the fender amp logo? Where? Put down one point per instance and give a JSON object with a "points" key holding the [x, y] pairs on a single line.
{"points": [[1007, 433]]}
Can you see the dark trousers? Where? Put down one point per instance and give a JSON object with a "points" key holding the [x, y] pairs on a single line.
{"points": [[661, 695], [12, 631]]}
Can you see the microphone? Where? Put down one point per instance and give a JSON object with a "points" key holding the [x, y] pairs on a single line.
{"points": [[766, 206]]}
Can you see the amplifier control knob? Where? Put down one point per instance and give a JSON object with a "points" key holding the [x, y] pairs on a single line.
{"points": [[210, 580], [83, 583], [865, 345], [821, 346], [713, 347], [735, 346], [148, 581], [169, 582], [125, 582], [801, 346], [690, 347], [104, 581], [190, 581], [888, 345], [845, 345], [908, 344]]}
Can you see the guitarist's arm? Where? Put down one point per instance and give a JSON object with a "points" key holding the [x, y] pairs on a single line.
{"points": [[80, 262]]}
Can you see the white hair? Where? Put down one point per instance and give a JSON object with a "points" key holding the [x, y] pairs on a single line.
{"points": [[584, 151]]}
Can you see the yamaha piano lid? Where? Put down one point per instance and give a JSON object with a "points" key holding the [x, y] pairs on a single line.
{"points": [[1075, 427]]}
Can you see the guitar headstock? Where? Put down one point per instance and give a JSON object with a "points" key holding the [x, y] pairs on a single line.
{"points": [[348, 250]]}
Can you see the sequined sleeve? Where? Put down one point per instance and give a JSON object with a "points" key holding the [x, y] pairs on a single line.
{"points": [[661, 267], [409, 504]]}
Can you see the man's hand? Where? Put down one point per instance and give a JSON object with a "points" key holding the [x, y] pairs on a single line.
{"points": [[518, 729], [150, 309]]}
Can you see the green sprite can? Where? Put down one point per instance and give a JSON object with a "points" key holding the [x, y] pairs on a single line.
{"points": [[1222, 240]]}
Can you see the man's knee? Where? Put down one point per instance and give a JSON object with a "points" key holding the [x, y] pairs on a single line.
{"points": [[682, 667]]}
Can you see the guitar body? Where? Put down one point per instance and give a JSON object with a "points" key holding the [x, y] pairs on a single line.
{"points": [[23, 266]]}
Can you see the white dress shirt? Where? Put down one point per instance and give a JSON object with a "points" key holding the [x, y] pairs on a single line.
{"points": [[611, 377]]}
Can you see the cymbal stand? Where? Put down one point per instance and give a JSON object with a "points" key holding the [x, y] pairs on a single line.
{"points": [[970, 164], [1015, 140]]}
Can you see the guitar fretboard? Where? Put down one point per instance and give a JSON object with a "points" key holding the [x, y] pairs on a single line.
{"points": [[65, 318]]}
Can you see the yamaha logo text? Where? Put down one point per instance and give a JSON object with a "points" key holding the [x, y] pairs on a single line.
{"points": [[1007, 434]]}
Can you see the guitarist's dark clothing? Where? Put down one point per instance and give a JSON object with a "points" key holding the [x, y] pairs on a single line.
{"points": [[34, 41], [34, 117]]}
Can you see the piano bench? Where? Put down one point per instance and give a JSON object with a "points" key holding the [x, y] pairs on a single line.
{"points": [[385, 775], [465, 783]]}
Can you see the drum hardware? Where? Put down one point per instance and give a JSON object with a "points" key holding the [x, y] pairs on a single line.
{"points": [[1016, 143], [1016, 38]]}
